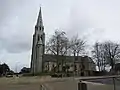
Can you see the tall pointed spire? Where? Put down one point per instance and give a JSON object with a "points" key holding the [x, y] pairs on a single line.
{"points": [[39, 20]]}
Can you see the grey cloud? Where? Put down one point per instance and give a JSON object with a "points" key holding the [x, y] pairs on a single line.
{"points": [[80, 21], [88, 15], [15, 45], [89, 18], [16, 26], [7, 7]]}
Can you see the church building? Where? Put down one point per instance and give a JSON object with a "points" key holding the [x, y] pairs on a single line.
{"points": [[41, 62]]}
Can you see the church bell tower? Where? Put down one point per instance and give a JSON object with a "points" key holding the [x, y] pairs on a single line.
{"points": [[38, 46]]}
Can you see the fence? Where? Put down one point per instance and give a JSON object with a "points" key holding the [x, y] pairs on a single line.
{"points": [[99, 83]]}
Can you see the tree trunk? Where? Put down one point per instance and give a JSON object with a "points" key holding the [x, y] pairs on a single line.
{"points": [[112, 63], [74, 64]]}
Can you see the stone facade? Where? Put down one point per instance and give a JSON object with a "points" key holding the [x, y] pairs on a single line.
{"points": [[46, 62], [81, 64]]}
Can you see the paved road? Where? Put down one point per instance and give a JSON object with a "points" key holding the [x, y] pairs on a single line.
{"points": [[20, 87], [33, 83], [108, 82]]}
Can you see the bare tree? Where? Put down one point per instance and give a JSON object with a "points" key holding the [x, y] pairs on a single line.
{"points": [[99, 56], [58, 45], [77, 46], [96, 54], [112, 52], [106, 53]]}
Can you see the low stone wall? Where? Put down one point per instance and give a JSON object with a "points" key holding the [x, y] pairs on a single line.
{"points": [[96, 86], [75, 85]]}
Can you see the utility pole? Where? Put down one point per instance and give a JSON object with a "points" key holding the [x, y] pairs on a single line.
{"points": [[16, 68]]}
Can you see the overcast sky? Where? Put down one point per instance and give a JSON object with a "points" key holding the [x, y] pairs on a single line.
{"points": [[92, 19]]}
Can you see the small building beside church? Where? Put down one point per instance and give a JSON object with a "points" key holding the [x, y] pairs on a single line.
{"points": [[41, 62]]}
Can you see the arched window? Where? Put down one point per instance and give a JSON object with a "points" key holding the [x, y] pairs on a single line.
{"points": [[41, 37], [36, 27], [38, 37]]}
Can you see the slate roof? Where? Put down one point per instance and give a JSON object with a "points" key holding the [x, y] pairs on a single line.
{"points": [[52, 58]]}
